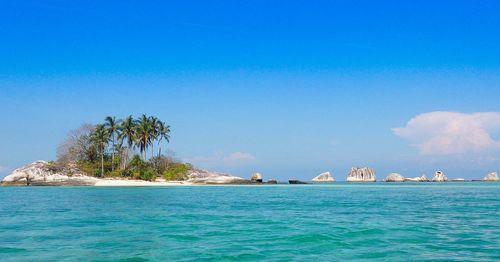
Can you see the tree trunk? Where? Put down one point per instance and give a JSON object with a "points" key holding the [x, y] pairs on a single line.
{"points": [[125, 158], [102, 163], [152, 151], [113, 155]]}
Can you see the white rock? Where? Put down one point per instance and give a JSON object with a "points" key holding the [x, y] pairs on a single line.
{"points": [[39, 173], [207, 177], [394, 177], [324, 177], [491, 177], [439, 176], [361, 175], [458, 179], [256, 177], [422, 178]]}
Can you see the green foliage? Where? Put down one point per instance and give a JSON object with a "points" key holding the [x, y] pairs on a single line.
{"points": [[148, 174], [161, 163], [136, 163], [139, 169], [101, 150], [126, 173], [115, 173], [177, 171]]}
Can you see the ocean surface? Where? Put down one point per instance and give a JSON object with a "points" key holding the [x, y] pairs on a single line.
{"points": [[384, 222]]}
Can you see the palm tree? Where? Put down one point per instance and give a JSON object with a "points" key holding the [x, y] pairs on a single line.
{"points": [[111, 125], [163, 133], [128, 132], [155, 130], [100, 137], [144, 131]]}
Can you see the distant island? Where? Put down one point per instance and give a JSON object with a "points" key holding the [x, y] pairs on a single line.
{"points": [[105, 155]]}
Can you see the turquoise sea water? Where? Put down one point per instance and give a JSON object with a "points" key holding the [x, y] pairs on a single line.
{"points": [[386, 222]]}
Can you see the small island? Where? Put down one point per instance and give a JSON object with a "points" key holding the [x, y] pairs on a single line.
{"points": [[105, 155]]}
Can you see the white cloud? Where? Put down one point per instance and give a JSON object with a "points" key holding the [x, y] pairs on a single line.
{"points": [[218, 159], [447, 133]]}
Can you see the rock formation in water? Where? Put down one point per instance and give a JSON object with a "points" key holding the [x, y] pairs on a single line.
{"points": [[39, 173], [439, 176], [361, 175], [256, 177], [207, 177], [324, 177], [422, 178], [394, 177], [458, 179], [491, 177]]}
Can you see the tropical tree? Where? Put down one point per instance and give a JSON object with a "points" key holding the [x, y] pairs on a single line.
{"points": [[144, 131], [100, 137], [155, 130], [112, 126], [127, 132], [163, 133]]}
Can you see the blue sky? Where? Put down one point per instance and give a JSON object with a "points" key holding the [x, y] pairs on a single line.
{"points": [[286, 88]]}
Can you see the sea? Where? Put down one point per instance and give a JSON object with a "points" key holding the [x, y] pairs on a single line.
{"points": [[320, 222]]}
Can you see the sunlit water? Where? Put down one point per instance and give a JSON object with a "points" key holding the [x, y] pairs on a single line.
{"points": [[428, 221]]}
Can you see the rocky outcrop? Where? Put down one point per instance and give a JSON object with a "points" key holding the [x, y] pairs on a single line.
{"points": [[207, 177], [256, 177], [439, 176], [324, 177], [491, 177], [296, 182], [422, 178], [394, 177], [458, 179], [361, 175], [39, 173]]}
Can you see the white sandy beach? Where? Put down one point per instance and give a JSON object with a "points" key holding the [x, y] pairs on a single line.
{"points": [[125, 183]]}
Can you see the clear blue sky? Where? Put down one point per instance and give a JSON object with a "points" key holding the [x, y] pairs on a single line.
{"points": [[287, 88]]}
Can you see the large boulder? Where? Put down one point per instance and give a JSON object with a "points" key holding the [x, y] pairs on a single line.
{"points": [[324, 177], [491, 177], [40, 173], [422, 178], [439, 176], [361, 175], [256, 177], [394, 177], [207, 177]]}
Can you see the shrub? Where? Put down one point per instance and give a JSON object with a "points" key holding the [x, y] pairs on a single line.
{"points": [[148, 175], [161, 163], [115, 173], [126, 173], [136, 163], [177, 171]]}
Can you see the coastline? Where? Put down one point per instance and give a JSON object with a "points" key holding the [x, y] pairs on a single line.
{"points": [[141, 183]]}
